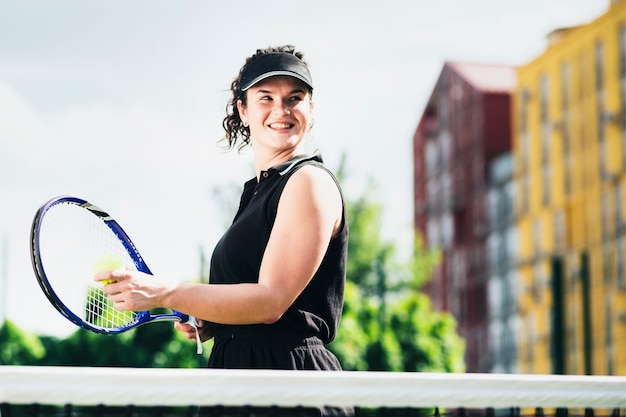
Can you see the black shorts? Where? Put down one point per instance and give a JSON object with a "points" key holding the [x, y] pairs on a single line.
{"points": [[262, 347]]}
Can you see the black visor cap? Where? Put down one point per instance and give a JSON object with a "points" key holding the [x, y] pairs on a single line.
{"points": [[273, 64]]}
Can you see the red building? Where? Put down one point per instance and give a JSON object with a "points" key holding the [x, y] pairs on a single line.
{"points": [[465, 125]]}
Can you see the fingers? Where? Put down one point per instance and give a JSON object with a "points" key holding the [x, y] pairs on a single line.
{"points": [[109, 277], [190, 332], [186, 328], [113, 286]]}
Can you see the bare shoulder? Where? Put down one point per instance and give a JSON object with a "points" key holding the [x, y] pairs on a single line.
{"points": [[318, 181], [312, 194], [312, 199]]}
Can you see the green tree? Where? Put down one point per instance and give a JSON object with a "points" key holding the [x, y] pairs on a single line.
{"points": [[366, 250], [18, 347], [388, 323], [84, 348], [155, 345]]}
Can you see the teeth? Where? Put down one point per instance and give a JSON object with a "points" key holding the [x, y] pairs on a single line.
{"points": [[280, 125]]}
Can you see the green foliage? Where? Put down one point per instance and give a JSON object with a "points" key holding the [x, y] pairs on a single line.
{"points": [[427, 339], [387, 323], [18, 347], [365, 223], [83, 348], [156, 345], [408, 337], [423, 263]]}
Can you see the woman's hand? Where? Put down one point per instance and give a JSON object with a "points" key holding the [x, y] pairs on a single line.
{"points": [[190, 333], [134, 290]]}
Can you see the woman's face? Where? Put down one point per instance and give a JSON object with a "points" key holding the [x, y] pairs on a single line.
{"points": [[279, 113]]}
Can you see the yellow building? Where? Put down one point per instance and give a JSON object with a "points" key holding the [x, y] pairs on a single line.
{"points": [[569, 146]]}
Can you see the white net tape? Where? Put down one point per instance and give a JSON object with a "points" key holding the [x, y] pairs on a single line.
{"points": [[172, 387]]}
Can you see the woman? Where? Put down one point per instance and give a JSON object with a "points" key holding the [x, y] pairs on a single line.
{"points": [[277, 275]]}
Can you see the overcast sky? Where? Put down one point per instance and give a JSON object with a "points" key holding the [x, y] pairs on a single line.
{"points": [[120, 102]]}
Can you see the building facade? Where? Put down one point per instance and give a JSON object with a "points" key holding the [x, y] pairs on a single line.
{"points": [[569, 147], [464, 128]]}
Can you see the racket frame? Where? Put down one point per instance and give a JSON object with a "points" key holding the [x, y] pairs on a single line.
{"points": [[142, 317]]}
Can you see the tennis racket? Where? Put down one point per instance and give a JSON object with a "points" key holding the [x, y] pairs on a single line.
{"points": [[68, 236]]}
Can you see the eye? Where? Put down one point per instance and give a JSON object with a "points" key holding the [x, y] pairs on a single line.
{"points": [[266, 98], [295, 98]]}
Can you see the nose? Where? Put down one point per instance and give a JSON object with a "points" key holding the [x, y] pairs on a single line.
{"points": [[282, 107]]}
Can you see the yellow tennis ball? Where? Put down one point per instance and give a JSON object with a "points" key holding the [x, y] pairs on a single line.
{"points": [[108, 263]]}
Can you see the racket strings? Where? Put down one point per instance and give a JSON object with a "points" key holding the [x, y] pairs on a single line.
{"points": [[71, 239]]}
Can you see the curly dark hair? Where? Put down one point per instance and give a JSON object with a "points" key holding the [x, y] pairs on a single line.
{"points": [[237, 135]]}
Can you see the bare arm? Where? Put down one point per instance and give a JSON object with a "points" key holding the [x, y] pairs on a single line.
{"points": [[309, 214]]}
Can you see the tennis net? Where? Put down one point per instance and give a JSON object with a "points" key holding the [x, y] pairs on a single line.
{"points": [[110, 392]]}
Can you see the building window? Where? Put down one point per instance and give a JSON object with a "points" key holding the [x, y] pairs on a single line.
{"points": [[604, 216], [447, 230], [523, 153], [445, 144], [532, 339], [543, 98], [432, 231], [538, 237], [492, 209], [608, 330], [599, 66], [501, 254], [620, 222], [524, 135], [573, 269], [431, 158], [523, 110], [525, 193], [546, 184], [600, 111], [432, 195], [544, 89], [522, 198], [620, 267], [573, 317], [512, 244], [622, 92], [559, 231], [618, 229], [607, 263], [564, 126], [492, 253], [539, 280]]}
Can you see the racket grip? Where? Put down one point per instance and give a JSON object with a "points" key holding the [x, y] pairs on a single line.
{"points": [[191, 320]]}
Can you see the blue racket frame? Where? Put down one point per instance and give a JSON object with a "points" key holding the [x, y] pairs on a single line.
{"points": [[142, 317]]}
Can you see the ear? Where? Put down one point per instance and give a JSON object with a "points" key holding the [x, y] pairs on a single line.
{"points": [[242, 111]]}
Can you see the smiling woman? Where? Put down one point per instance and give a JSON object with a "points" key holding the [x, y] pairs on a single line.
{"points": [[269, 63], [277, 275], [278, 113]]}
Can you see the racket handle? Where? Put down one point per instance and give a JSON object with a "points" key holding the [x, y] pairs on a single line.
{"points": [[191, 320], [175, 315]]}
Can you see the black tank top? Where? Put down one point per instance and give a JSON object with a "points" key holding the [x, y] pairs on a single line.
{"points": [[237, 256]]}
